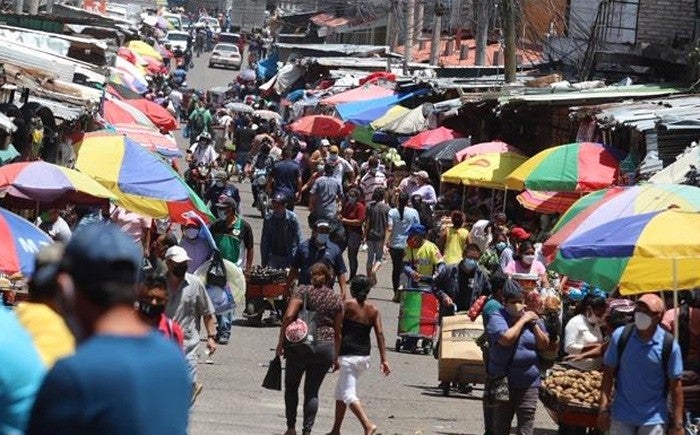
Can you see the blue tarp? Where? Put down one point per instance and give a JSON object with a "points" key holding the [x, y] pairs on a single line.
{"points": [[364, 112], [267, 67]]}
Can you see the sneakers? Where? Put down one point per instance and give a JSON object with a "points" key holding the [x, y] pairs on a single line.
{"points": [[196, 391], [397, 297], [222, 340]]}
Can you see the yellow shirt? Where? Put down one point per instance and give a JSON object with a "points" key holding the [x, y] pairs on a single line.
{"points": [[455, 242], [424, 259], [49, 331]]}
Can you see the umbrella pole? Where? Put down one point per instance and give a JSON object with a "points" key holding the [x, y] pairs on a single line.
{"points": [[505, 199], [675, 298], [464, 196]]}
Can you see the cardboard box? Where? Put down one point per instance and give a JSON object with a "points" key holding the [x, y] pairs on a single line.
{"points": [[460, 358]]}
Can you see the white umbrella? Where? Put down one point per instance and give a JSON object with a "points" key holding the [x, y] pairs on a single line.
{"points": [[268, 114], [239, 107]]}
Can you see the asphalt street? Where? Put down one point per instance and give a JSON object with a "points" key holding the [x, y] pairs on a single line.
{"points": [[406, 402]]}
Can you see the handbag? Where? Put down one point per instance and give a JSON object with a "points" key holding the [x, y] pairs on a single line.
{"points": [[496, 389], [273, 377], [300, 335]]}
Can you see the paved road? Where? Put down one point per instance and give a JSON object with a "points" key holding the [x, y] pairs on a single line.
{"points": [[407, 402]]}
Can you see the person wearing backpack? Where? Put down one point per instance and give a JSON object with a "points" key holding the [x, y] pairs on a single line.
{"points": [[200, 121], [644, 363]]}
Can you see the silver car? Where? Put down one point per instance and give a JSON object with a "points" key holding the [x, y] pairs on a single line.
{"points": [[226, 55]]}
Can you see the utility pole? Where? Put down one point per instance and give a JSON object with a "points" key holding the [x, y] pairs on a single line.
{"points": [[33, 7], [509, 40], [19, 6], [437, 30], [482, 18], [420, 14], [408, 36], [391, 27]]}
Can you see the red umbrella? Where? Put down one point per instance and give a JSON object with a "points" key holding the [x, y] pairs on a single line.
{"points": [[321, 126], [127, 54], [430, 138], [116, 114], [155, 112], [496, 146]]}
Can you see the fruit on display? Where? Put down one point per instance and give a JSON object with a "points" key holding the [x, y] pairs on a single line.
{"points": [[575, 386]]}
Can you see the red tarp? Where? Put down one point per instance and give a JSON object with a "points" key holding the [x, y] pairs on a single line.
{"points": [[364, 92], [430, 138]]}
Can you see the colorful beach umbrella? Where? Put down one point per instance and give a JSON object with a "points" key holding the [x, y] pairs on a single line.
{"points": [[600, 207], [152, 139], [116, 111], [485, 170], [575, 167], [430, 138], [321, 126], [20, 241], [141, 181], [547, 202], [143, 49], [27, 183], [362, 93], [496, 146], [642, 253]]}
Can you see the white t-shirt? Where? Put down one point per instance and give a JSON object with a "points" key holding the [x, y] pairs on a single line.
{"points": [[58, 230], [579, 333], [203, 154]]}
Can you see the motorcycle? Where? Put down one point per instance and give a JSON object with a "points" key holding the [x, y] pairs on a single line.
{"points": [[197, 177], [259, 182]]}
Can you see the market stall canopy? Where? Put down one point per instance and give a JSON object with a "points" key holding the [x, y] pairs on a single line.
{"points": [[430, 138], [156, 113], [363, 135], [547, 202], [675, 172], [364, 112], [574, 167], [21, 240], [151, 138], [602, 206], [643, 253], [141, 181], [362, 93], [496, 146], [25, 184], [412, 122], [391, 114], [321, 126], [444, 152], [143, 49], [116, 111], [485, 170]]}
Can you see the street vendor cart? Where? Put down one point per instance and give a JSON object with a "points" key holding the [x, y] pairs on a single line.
{"points": [[571, 397], [265, 290], [460, 359]]}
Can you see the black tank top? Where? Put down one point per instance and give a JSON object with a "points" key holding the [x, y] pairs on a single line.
{"points": [[355, 338]]}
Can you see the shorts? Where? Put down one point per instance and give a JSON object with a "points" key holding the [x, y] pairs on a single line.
{"points": [[351, 367]]}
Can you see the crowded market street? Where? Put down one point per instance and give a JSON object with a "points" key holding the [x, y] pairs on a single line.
{"points": [[407, 402]]}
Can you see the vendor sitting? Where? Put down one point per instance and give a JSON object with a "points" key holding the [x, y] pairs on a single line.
{"points": [[583, 339]]}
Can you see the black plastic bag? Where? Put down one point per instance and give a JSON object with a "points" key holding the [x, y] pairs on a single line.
{"points": [[273, 378], [216, 275]]}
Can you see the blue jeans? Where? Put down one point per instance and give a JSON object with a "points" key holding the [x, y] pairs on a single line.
{"points": [[223, 325]]}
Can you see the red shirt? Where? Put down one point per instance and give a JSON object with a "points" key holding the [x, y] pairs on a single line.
{"points": [[355, 212], [171, 329]]}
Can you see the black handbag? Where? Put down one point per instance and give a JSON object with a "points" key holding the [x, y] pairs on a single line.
{"points": [[273, 378], [496, 389], [300, 335]]}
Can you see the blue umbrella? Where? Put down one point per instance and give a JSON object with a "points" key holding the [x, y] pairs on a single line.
{"points": [[20, 241]]}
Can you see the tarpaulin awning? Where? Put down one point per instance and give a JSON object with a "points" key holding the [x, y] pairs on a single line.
{"points": [[430, 138], [362, 93], [410, 123], [364, 112], [390, 115]]}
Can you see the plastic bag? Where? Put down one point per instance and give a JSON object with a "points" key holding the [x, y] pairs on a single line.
{"points": [[273, 377]]}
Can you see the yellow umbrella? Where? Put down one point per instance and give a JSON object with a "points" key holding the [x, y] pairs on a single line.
{"points": [[484, 170], [143, 49], [390, 115]]}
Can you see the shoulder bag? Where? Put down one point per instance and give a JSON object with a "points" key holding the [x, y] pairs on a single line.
{"points": [[300, 335]]}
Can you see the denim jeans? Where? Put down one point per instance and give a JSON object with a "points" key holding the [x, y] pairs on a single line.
{"points": [[396, 266], [354, 240], [223, 324], [619, 428], [375, 253]]}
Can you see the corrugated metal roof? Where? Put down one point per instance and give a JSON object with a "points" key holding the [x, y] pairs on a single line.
{"points": [[348, 49], [606, 93], [677, 113]]}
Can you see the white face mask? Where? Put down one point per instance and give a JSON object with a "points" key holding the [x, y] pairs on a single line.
{"points": [[528, 259], [593, 319], [642, 321], [191, 233]]}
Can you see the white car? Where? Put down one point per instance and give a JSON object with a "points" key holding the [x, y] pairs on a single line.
{"points": [[212, 23], [177, 39], [226, 55]]}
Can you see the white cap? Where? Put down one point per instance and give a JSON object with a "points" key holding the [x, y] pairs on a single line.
{"points": [[325, 143], [177, 254]]}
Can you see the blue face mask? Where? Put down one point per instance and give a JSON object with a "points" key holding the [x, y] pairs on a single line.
{"points": [[321, 238], [468, 265], [500, 246]]}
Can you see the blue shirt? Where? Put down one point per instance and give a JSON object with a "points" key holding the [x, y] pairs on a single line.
{"points": [[286, 173], [399, 226], [21, 373], [639, 388], [116, 385], [523, 371], [309, 253]]}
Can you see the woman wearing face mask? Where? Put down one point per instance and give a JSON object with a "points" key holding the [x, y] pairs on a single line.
{"points": [[515, 335], [195, 244], [583, 338], [352, 216], [526, 263], [151, 302]]}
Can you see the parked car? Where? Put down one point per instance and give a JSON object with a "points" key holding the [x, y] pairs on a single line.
{"points": [[212, 23], [226, 55], [178, 39], [233, 38]]}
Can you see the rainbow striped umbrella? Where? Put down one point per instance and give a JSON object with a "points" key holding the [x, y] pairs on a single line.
{"points": [[547, 202], [575, 167], [600, 207], [141, 181], [642, 253], [20, 241]]}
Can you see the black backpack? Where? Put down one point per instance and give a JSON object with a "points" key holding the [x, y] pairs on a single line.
{"points": [[666, 349]]}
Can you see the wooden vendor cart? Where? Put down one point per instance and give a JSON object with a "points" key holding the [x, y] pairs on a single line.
{"points": [[460, 359]]}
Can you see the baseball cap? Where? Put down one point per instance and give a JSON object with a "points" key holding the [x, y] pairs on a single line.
{"points": [[322, 223], [280, 198], [519, 233], [94, 250], [177, 254], [189, 222], [653, 302], [226, 202], [334, 149], [416, 229], [220, 175], [422, 174], [325, 143]]}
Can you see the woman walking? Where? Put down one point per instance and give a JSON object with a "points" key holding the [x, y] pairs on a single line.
{"points": [[360, 318], [400, 219], [328, 307]]}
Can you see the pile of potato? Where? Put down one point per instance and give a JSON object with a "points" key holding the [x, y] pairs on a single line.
{"points": [[575, 386]]}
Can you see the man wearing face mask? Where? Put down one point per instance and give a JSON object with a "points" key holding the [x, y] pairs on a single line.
{"points": [[150, 304], [281, 235], [220, 187], [102, 387], [457, 286], [644, 363], [195, 244], [188, 304], [342, 169], [318, 249], [422, 259], [583, 338]]}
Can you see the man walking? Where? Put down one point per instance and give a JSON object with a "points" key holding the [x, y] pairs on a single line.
{"points": [[645, 364], [281, 235], [375, 227], [285, 178], [105, 388]]}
